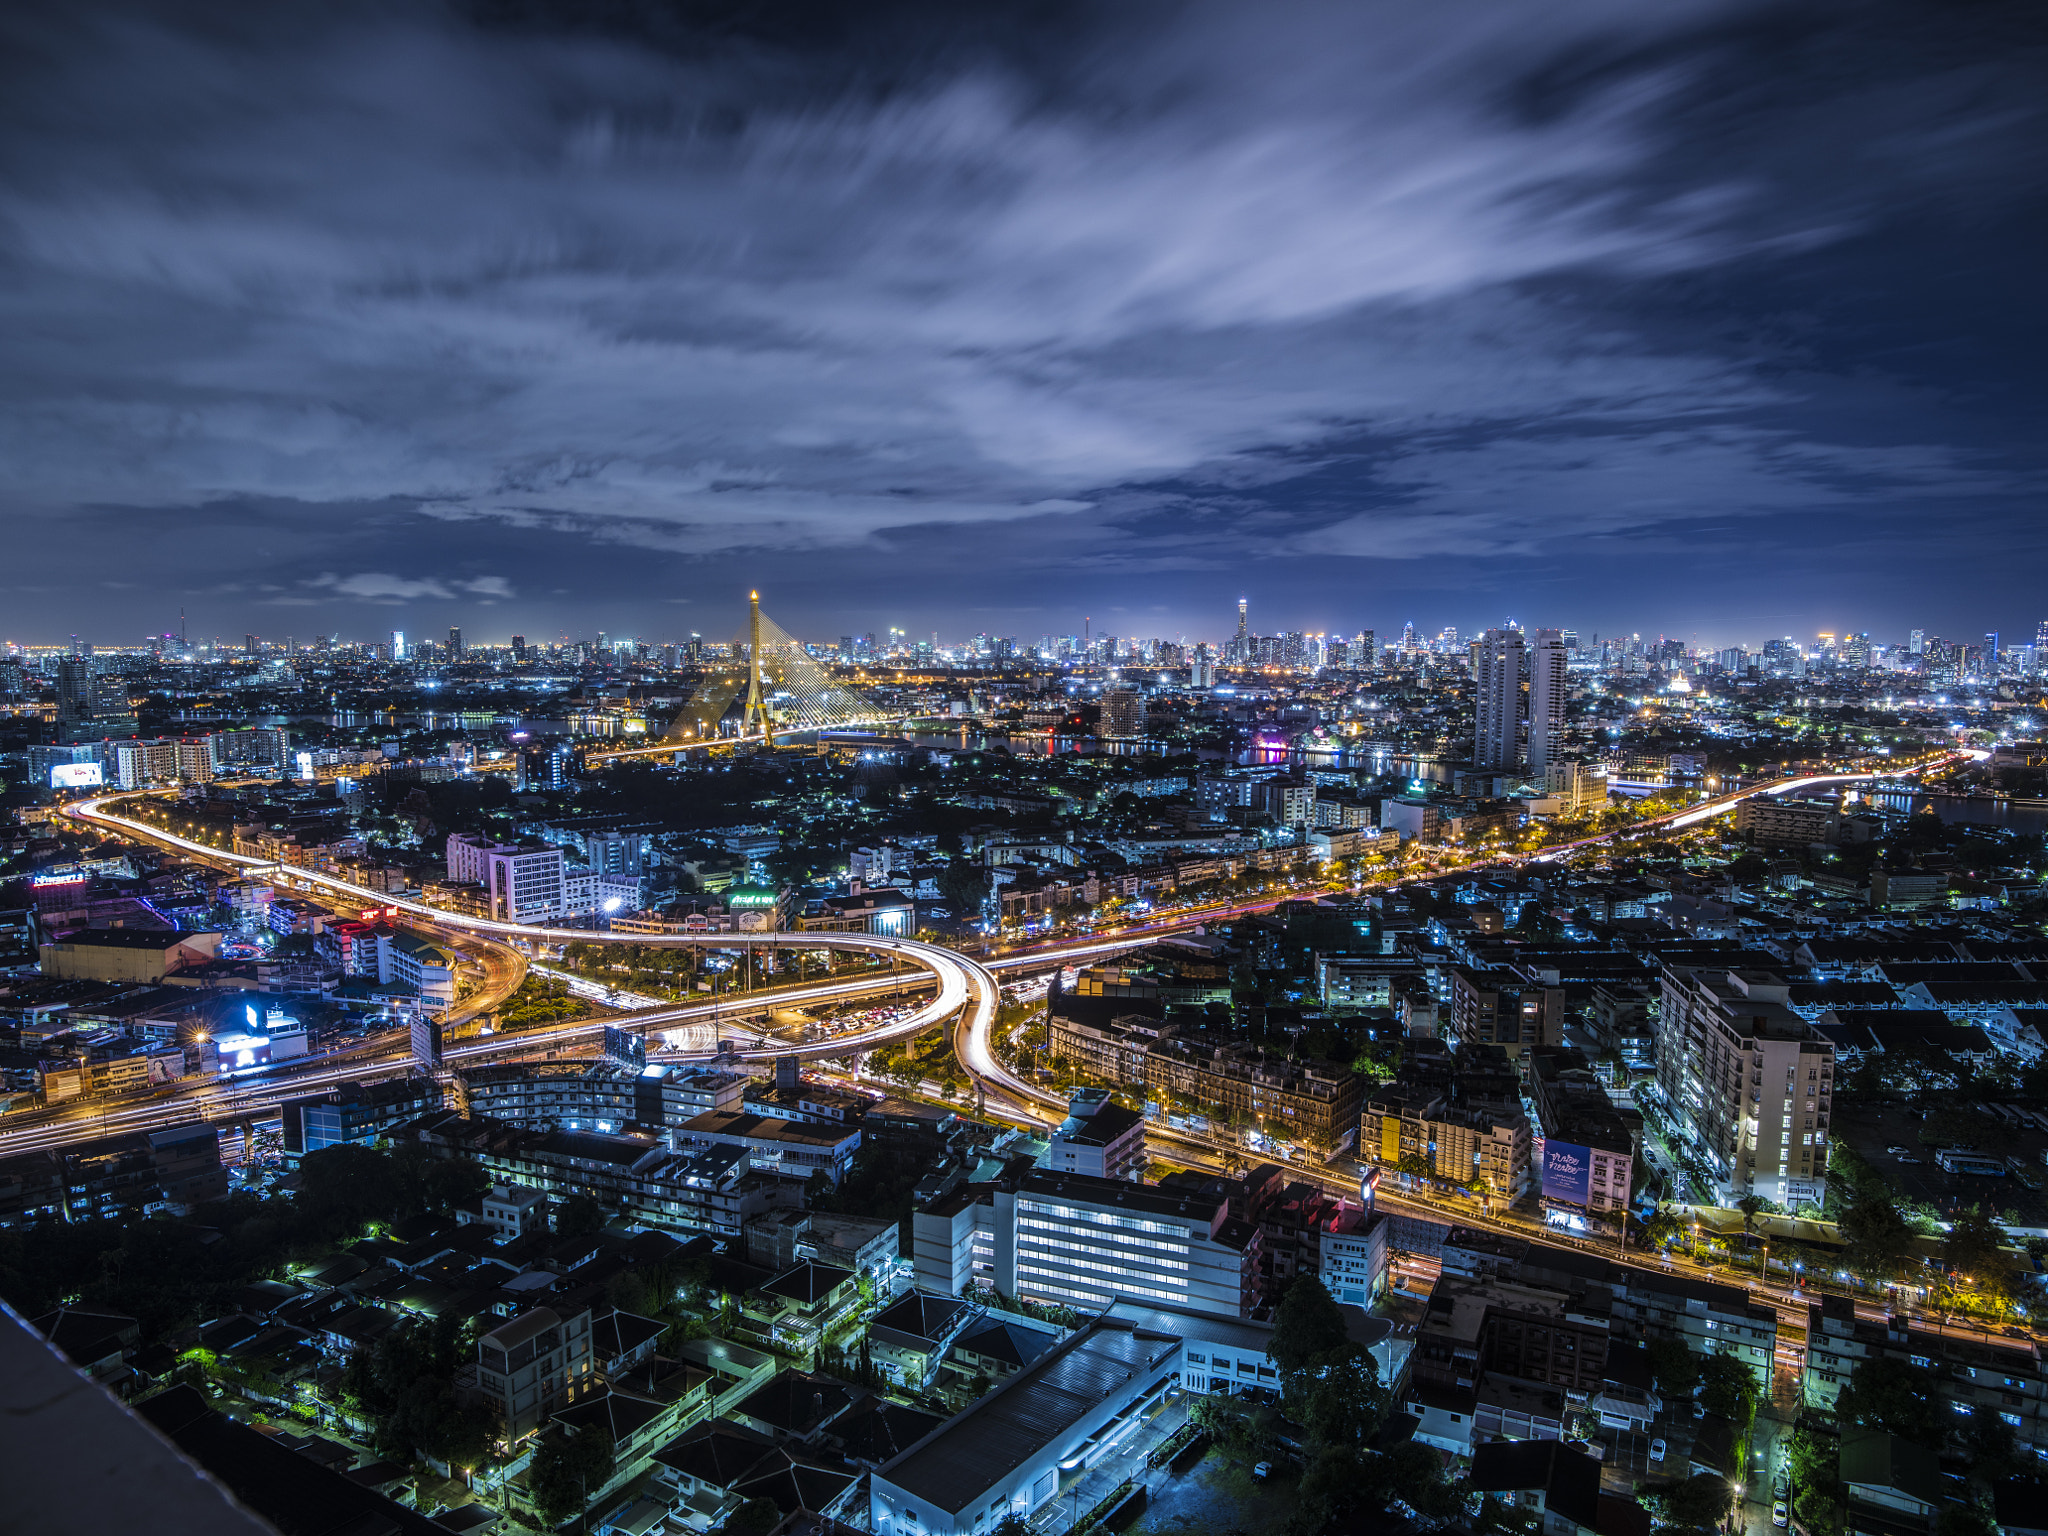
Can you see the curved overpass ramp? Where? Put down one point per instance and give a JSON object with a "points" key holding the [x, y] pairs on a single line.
{"points": [[961, 983]]}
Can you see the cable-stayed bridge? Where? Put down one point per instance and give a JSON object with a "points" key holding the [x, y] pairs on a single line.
{"points": [[780, 687]]}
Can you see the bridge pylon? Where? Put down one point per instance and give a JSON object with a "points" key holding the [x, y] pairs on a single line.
{"points": [[757, 717]]}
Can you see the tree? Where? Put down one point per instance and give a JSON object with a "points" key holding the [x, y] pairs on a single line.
{"points": [[1308, 1327], [1990, 1448], [1973, 1249], [1662, 1227], [1243, 1433], [756, 1517], [1881, 1243], [1965, 1520], [1675, 1367], [1699, 1503], [1341, 1401], [1892, 1396], [568, 1466], [1729, 1387], [579, 1216]]}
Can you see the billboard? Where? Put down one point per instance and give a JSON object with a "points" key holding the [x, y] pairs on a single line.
{"points": [[76, 776], [1567, 1172], [625, 1047]]}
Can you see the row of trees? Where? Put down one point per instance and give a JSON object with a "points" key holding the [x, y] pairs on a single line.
{"points": [[1330, 1387], [168, 1273]]}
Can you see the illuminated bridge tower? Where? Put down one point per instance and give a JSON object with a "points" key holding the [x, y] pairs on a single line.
{"points": [[756, 717]]}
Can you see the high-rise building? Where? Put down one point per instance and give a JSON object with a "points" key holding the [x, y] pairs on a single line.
{"points": [[454, 643], [1747, 1081], [398, 645], [1548, 687], [1916, 641], [1499, 667], [519, 647], [1123, 713]]}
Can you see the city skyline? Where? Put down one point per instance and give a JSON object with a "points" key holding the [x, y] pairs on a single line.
{"points": [[1426, 638], [966, 322]]}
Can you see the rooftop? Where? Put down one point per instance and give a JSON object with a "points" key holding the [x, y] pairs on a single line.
{"points": [[953, 1467]]}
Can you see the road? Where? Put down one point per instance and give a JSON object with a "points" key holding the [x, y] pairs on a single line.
{"points": [[967, 991]]}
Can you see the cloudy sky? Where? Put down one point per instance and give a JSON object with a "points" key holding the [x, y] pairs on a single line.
{"points": [[1713, 320]]}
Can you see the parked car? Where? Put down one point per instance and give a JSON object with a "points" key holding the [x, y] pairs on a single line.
{"points": [[1657, 1450], [1780, 1517], [1263, 1470]]}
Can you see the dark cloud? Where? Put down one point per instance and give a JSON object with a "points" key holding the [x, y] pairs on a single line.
{"points": [[921, 313]]}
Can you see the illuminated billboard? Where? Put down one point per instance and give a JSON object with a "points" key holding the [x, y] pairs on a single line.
{"points": [[1567, 1172], [76, 776]]}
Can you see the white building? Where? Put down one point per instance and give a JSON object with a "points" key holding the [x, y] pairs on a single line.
{"points": [[525, 882], [1747, 1081], [1072, 1406], [1070, 1239], [1098, 1137]]}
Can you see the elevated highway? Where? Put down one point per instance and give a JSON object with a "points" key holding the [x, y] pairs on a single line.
{"points": [[967, 991]]}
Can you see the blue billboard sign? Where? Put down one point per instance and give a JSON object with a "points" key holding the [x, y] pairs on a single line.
{"points": [[1567, 1172]]}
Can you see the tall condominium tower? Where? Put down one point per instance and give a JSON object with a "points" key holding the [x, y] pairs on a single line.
{"points": [[1498, 669], [1547, 687]]}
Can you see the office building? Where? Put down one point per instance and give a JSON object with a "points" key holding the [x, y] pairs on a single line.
{"points": [[1499, 670], [454, 643], [1072, 1240], [1068, 1408]]}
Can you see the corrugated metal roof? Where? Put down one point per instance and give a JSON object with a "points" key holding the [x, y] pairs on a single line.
{"points": [[954, 1466]]}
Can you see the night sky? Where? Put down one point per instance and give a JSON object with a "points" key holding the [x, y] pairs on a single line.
{"points": [[1717, 321]]}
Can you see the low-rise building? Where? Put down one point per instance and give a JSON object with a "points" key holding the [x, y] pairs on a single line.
{"points": [[532, 1365]]}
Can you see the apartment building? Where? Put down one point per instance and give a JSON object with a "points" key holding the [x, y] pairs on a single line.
{"points": [[1499, 1007], [1098, 1137], [534, 1364], [1773, 822], [1967, 1375], [1459, 1136], [1708, 1319], [1299, 1099], [586, 1096], [1746, 1080]]}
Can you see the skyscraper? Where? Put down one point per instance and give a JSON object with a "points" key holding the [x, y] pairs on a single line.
{"points": [[1916, 642], [398, 645], [1499, 663], [454, 643], [1547, 690]]}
